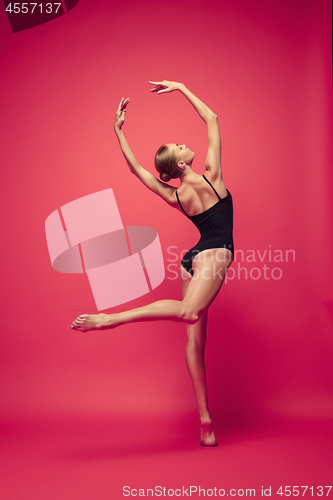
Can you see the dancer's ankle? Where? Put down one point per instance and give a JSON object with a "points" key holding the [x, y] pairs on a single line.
{"points": [[205, 416]]}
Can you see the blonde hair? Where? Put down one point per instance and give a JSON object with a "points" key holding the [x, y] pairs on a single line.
{"points": [[166, 164]]}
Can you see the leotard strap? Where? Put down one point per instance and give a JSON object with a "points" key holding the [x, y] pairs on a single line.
{"points": [[180, 204], [217, 194], [219, 197]]}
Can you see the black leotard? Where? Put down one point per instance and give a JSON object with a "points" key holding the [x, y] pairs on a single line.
{"points": [[215, 226]]}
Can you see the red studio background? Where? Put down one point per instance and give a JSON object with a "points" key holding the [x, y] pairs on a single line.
{"points": [[84, 415]]}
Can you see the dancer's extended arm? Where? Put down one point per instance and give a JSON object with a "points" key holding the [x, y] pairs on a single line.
{"points": [[148, 179], [213, 159]]}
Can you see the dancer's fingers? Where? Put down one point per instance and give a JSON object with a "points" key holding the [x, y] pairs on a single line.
{"points": [[123, 104], [158, 86], [120, 105]]}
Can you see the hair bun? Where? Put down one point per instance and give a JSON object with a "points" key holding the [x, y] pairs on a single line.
{"points": [[164, 177]]}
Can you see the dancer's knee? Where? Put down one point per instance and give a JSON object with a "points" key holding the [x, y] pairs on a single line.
{"points": [[190, 314]]}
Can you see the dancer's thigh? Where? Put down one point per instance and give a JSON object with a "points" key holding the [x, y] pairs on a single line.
{"points": [[209, 268], [196, 332], [186, 278]]}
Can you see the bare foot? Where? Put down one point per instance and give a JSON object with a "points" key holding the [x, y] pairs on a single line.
{"points": [[87, 322], [207, 436]]}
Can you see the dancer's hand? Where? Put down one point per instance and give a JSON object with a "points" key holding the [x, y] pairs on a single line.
{"points": [[121, 113], [166, 86]]}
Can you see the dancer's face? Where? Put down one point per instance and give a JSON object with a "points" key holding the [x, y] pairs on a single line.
{"points": [[182, 153]]}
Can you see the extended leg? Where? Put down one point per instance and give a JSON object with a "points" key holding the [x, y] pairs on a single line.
{"points": [[203, 288], [174, 310]]}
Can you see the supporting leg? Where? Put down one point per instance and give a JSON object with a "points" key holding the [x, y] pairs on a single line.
{"points": [[195, 361]]}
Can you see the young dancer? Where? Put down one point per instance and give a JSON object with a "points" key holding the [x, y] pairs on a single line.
{"points": [[207, 203]]}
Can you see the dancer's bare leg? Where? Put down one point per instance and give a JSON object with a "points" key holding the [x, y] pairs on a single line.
{"points": [[174, 310], [199, 292], [195, 360], [202, 289]]}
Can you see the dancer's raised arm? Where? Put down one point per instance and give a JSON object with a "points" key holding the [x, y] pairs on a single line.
{"points": [[213, 158], [148, 179]]}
